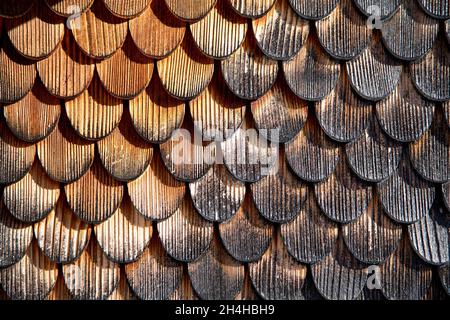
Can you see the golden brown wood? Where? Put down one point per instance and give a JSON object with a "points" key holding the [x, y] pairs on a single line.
{"points": [[33, 197], [123, 153], [186, 72], [126, 9], [15, 238], [35, 116], [248, 72], [125, 235], [99, 33], [96, 195], [32, 278], [67, 72], [185, 235], [155, 114], [221, 32], [67, 8], [36, 34], [123, 291], [17, 74], [147, 30], [155, 276], [279, 109], [62, 236], [156, 194], [16, 156], [92, 276], [218, 267], [59, 291], [217, 112], [95, 113], [247, 235], [190, 9], [127, 73], [281, 32], [64, 155]]}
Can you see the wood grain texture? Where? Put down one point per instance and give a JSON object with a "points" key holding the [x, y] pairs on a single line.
{"points": [[404, 276], [311, 236], [277, 275], [446, 194], [431, 74], [15, 238], [16, 156], [99, 33], [92, 276], [311, 74], [430, 155], [405, 196], [36, 34], [66, 8], [373, 237], [59, 291], [123, 291], [185, 235], [446, 107], [247, 235], [62, 236], [311, 155], [217, 196], [384, 77], [125, 235], [436, 290], [155, 114], [186, 159], [436, 8], [343, 197], [313, 9], [217, 113], [216, 275], [279, 109], [248, 292], [252, 8], [19, 8], [280, 195], [127, 9], [33, 197], [185, 290], [342, 114], [190, 9], [344, 33], [430, 236], [32, 278], [95, 196], [447, 28], [35, 116], [409, 33], [186, 72], [386, 7], [247, 155], [157, 20], [444, 276], [124, 154], [405, 115], [248, 73], [373, 156], [339, 276], [221, 32], [17, 74], [155, 276], [95, 113], [156, 194], [127, 73], [67, 72], [64, 155], [281, 32]]}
